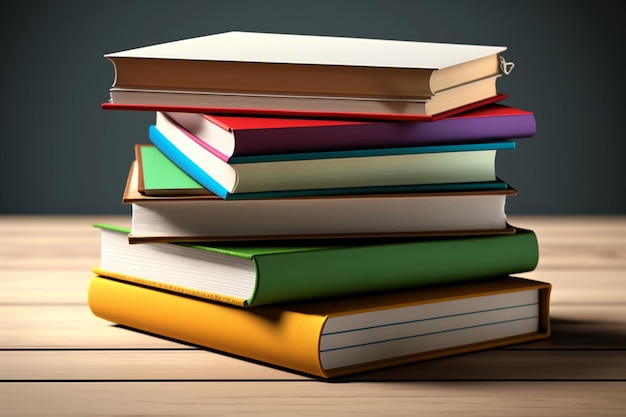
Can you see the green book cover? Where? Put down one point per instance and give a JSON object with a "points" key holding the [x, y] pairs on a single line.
{"points": [[159, 174], [249, 275]]}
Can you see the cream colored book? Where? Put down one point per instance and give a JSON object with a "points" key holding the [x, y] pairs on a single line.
{"points": [[247, 71], [211, 218], [305, 65]]}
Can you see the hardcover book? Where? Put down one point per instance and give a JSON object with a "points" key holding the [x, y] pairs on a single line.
{"points": [[339, 336], [159, 176], [233, 136], [239, 71], [451, 210], [262, 272], [316, 172]]}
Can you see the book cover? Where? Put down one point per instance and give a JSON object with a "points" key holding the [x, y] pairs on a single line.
{"points": [[315, 172], [291, 64], [339, 336], [305, 74], [233, 136], [159, 176], [448, 211], [324, 112], [264, 272]]}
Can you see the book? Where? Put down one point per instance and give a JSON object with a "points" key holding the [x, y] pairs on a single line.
{"points": [[210, 218], [288, 72], [304, 65], [318, 171], [159, 176], [264, 272], [263, 111], [340, 336], [232, 136]]}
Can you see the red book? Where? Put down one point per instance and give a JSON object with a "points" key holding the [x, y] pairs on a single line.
{"points": [[233, 136]]}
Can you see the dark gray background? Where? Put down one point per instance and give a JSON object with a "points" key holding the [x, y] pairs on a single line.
{"points": [[62, 154]]}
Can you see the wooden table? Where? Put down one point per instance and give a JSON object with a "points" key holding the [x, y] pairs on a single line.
{"points": [[57, 359]]}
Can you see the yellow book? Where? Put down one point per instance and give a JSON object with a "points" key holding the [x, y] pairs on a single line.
{"points": [[339, 336]]}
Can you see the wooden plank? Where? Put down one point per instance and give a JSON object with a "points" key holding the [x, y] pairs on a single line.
{"points": [[68, 327], [574, 242], [605, 225], [60, 225], [578, 325], [28, 287], [142, 365], [201, 365], [309, 398], [583, 286]]}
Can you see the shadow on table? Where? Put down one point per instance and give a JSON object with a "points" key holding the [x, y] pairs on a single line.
{"points": [[575, 351]]}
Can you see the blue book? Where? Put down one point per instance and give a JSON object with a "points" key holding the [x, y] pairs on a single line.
{"points": [[327, 173]]}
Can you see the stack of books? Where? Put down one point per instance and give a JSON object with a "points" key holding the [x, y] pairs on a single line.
{"points": [[324, 205]]}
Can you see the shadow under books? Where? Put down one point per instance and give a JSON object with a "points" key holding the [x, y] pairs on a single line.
{"points": [[566, 355]]}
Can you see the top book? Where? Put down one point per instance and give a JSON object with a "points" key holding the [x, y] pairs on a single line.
{"points": [[225, 66]]}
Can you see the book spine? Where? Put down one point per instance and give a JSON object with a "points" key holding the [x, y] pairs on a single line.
{"points": [[384, 135], [343, 271], [185, 164], [289, 340]]}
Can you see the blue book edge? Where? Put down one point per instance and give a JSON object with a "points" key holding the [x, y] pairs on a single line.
{"points": [[185, 164]]}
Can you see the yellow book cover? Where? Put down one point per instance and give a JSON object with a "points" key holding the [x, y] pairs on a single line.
{"points": [[339, 336]]}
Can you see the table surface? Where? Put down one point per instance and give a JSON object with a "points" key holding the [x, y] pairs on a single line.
{"points": [[57, 359]]}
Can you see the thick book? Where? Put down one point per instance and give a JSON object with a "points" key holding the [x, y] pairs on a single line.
{"points": [[256, 273], [315, 172], [339, 336], [454, 211], [307, 73], [232, 136]]}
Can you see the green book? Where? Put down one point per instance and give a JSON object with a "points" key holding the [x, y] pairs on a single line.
{"points": [[267, 273], [158, 176]]}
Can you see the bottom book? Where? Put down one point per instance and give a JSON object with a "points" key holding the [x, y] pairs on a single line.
{"points": [[333, 337]]}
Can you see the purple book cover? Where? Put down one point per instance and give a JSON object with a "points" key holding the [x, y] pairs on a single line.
{"points": [[267, 135]]}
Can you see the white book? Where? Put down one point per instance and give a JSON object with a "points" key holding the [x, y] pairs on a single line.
{"points": [[287, 72]]}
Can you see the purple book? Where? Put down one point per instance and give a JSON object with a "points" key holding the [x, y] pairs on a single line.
{"points": [[242, 135]]}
